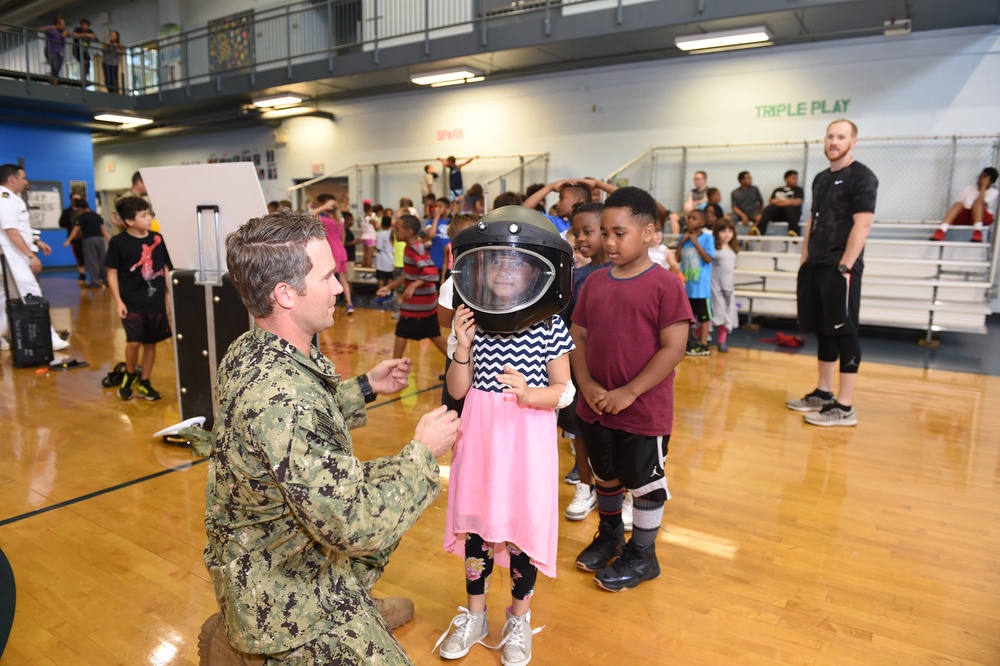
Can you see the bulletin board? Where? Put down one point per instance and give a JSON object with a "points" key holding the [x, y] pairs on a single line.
{"points": [[45, 204]]}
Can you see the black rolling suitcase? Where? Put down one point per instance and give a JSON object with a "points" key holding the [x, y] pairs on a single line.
{"points": [[30, 326], [208, 317]]}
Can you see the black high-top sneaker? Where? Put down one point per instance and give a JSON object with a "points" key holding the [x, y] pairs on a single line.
{"points": [[636, 565]]}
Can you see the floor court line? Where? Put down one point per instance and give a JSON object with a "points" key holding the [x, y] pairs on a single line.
{"points": [[156, 475]]}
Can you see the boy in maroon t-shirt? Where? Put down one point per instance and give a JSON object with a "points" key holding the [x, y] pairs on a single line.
{"points": [[627, 389], [418, 313]]}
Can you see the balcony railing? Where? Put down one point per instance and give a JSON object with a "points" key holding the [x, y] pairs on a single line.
{"points": [[283, 37]]}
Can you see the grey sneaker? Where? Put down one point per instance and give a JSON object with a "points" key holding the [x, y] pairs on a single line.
{"points": [[832, 415], [470, 628], [813, 402], [516, 641]]}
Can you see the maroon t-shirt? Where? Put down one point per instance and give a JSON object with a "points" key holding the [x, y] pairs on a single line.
{"points": [[623, 318]]}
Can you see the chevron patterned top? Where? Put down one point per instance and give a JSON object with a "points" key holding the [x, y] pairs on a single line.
{"points": [[528, 351]]}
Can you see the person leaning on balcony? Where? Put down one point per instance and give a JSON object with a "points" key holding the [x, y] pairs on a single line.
{"points": [[55, 46], [82, 37]]}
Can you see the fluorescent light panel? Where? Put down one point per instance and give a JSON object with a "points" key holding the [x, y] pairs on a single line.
{"points": [[286, 112], [277, 100], [122, 120], [738, 47], [446, 77], [723, 38]]}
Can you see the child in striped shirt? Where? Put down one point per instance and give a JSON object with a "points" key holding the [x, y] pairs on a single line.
{"points": [[418, 313]]}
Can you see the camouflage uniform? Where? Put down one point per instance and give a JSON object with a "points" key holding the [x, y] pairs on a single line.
{"points": [[298, 528]]}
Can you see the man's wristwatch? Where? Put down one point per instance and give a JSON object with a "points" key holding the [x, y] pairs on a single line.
{"points": [[843, 268], [366, 389]]}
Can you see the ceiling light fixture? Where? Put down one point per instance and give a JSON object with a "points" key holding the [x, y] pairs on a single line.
{"points": [[720, 49], [283, 99], [449, 77], [277, 114], [723, 38], [124, 121]]}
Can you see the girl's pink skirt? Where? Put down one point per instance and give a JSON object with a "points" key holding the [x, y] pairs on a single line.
{"points": [[504, 482]]}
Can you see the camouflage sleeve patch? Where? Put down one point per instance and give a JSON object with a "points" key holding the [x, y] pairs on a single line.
{"points": [[352, 404]]}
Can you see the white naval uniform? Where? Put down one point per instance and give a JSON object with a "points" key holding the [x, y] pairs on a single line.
{"points": [[14, 215]]}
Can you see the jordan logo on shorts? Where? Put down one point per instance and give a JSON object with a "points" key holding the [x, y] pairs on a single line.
{"points": [[655, 473]]}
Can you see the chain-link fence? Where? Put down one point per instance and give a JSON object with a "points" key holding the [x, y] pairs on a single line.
{"points": [[919, 178]]}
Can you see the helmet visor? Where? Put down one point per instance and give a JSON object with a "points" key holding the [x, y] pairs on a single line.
{"points": [[498, 279]]}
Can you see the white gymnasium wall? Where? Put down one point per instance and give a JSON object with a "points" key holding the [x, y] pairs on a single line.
{"points": [[593, 121]]}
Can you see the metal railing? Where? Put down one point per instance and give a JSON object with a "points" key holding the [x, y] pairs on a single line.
{"points": [[532, 169], [388, 182], [919, 177], [283, 37]]}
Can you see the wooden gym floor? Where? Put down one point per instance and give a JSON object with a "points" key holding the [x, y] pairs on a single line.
{"points": [[783, 544]]}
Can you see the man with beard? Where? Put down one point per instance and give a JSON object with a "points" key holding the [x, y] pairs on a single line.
{"points": [[829, 279]]}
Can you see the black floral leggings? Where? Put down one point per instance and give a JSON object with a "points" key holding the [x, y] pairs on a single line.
{"points": [[479, 566]]}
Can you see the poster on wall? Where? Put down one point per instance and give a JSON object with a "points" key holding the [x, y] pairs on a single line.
{"points": [[45, 204], [231, 42]]}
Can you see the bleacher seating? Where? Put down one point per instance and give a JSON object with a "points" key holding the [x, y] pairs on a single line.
{"points": [[364, 278], [909, 281]]}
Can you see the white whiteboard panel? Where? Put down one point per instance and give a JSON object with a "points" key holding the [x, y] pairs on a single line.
{"points": [[176, 192]]}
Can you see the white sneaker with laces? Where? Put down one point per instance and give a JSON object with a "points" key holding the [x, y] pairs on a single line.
{"points": [[627, 511], [584, 501], [811, 402], [516, 641], [470, 628], [831, 415]]}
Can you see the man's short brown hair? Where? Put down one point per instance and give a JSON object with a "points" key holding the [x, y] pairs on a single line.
{"points": [[267, 251]]}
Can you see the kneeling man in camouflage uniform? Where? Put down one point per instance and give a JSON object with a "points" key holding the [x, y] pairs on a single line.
{"points": [[298, 528]]}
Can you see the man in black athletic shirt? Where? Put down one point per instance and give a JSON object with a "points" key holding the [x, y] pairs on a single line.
{"points": [[829, 280]]}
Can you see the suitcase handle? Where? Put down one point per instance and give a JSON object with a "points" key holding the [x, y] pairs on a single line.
{"points": [[203, 275]]}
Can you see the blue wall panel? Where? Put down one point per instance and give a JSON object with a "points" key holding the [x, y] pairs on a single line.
{"points": [[52, 151]]}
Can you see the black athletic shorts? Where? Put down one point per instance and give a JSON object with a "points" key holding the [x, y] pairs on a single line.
{"points": [[567, 418], [146, 328], [635, 460], [829, 303], [700, 309], [383, 275], [418, 328]]}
